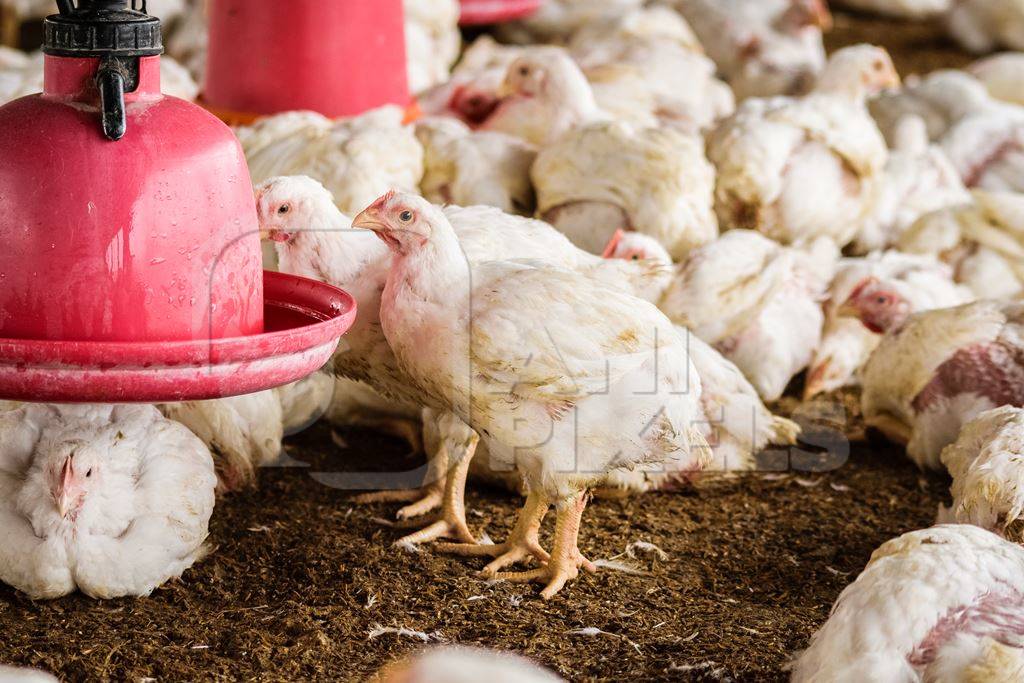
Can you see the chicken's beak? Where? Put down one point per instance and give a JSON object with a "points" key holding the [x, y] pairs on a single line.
{"points": [[816, 380], [849, 310], [506, 89], [67, 490], [369, 220]]}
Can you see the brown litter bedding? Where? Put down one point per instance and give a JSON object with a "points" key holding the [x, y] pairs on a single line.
{"points": [[300, 577]]}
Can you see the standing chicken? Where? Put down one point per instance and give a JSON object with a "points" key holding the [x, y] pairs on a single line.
{"points": [[984, 25], [935, 371], [796, 169], [356, 159], [472, 168], [988, 473], [577, 378], [846, 344], [109, 500], [543, 97], [315, 240], [939, 604], [610, 176], [983, 241], [762, 47], [757, 302]]}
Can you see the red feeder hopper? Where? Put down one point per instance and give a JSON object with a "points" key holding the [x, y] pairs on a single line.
{"points": [[131, 266], [475, 12], [339, 58]]}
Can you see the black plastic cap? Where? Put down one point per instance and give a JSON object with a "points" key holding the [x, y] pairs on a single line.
{"points": [[100, 28]]}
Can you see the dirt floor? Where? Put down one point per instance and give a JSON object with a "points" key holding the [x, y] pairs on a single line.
{"points": [[300, 578]]}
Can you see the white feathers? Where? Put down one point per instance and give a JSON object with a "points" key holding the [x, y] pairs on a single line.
{"points": [[928, 603], [987, 466], [109, 500], [466, 665], [357, 159], [654, 180]]}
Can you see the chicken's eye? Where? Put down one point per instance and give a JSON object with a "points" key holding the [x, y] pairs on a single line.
{"points": [[405, 216], [284, 208], [636, 257], [881, 299], [524, 71]]}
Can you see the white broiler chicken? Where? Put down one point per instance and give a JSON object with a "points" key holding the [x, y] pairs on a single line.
{"points": [[762, 47], [756, 302], [985, 25], [902, 9], [186, 40], [471, 94], [356, 158], [922, 282], [465, 665], [575, 377], [799, 168], [648, 68], [1002, 75], [432, 41], [315, 240], [544, 96], [474, 168], [936, 370], [988, 473], [109, 500], [983, 242], [938, 604], [611, 176], [917, 179]]}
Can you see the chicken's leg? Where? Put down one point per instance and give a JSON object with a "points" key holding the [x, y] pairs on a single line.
{"points": [[523, 542], [566, 558], [452, 521], [423, 499]]}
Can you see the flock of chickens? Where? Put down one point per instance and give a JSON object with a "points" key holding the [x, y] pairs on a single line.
{"points": [[606, 245]]}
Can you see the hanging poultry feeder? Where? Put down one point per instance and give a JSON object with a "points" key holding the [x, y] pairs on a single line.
{"points": [[478, 12], [131, 266], [339, 58]]}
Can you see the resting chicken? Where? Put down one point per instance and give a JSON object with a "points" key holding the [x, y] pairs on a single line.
{"points": [[109, 500], [799, 168], [937, 370], [610, 176], [939, 604]]}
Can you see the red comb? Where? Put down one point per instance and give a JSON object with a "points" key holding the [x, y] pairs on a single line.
{"points": [[613, 243]]}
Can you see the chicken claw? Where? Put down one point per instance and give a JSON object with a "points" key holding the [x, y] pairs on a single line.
{"points": [[522, 543], [566, 559], [451, 522]]}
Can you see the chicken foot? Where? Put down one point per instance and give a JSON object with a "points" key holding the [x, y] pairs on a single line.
{"points": [[566, 558], [522, 543], [451, 522]]}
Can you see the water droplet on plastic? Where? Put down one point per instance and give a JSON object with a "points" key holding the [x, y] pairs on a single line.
{"points": [[157, 261]]}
